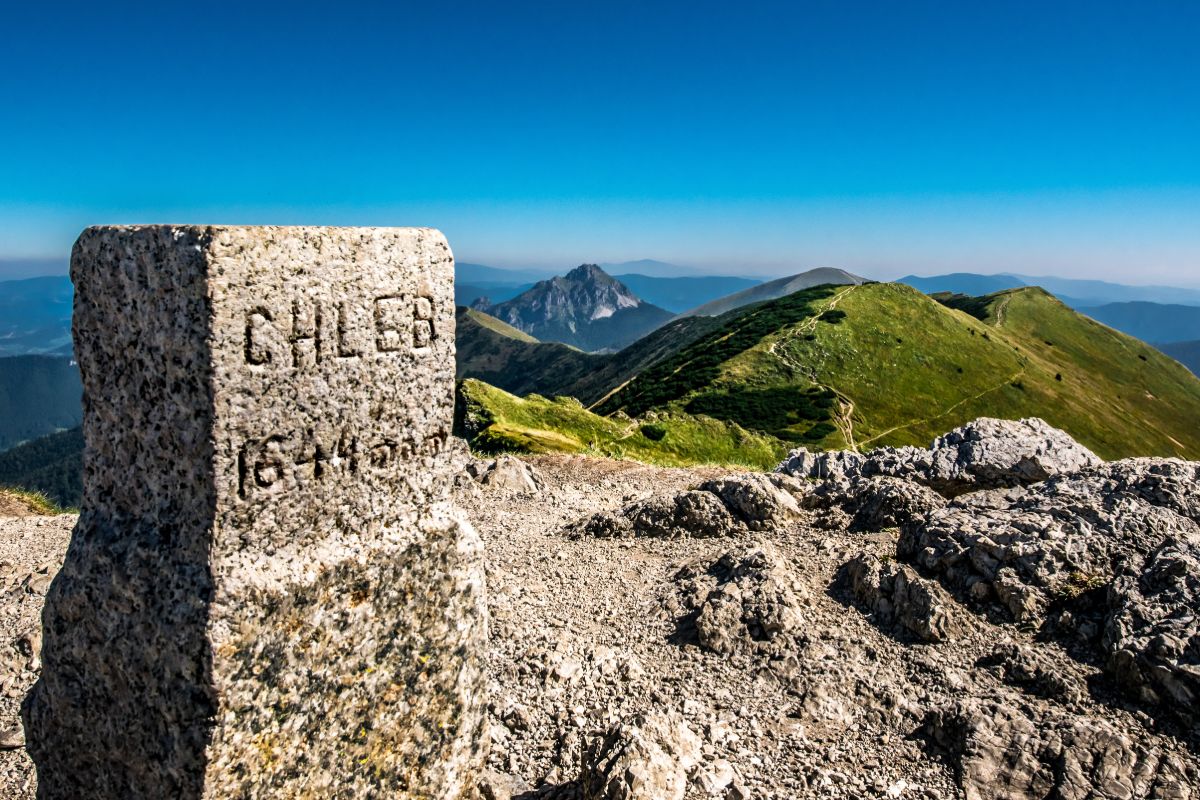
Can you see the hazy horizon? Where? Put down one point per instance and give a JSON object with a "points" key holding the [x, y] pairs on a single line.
{"points": [[56, 266]]}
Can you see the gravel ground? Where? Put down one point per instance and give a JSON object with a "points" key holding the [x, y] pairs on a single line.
{"points": [[31, 551], [558, 601], [589, 632]]}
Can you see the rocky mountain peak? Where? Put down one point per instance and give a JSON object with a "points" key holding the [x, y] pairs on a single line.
{"points": [[592, 272], [568, 308]]}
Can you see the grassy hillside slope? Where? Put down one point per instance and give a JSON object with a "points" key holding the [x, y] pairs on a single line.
{"points": [[495, 352], [493, 420], [497, 326], [862, 366], [499, 354]]}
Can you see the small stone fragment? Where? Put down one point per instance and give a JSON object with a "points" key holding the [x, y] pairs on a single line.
{"points": [[646, 758], [895, 593]]}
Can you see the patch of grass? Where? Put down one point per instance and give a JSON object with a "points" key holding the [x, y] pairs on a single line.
{"points": [[494, 421], [33, 501], [1080, 583]]}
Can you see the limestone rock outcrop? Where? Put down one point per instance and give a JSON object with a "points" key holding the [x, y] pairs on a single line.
{"points": [[896, 594], [722, 507], [985, 453], [1058, 538], [1004, 752], [507, 473], [748, 599], [1152, 635]]}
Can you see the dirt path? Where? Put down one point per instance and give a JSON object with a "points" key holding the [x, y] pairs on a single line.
{"points": [[1001, 309], [843, 419]]}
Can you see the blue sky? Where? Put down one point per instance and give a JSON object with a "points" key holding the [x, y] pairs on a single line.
{"points": [[759, 138]]}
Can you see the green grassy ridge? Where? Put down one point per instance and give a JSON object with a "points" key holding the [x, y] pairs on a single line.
{"points": [[1118, 395], [495, 421], [699, 363], [896, 356], [905, 369], [497, 326]]}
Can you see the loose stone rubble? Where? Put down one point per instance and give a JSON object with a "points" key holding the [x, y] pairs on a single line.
{"points": [[724, 507], [266, 593]]}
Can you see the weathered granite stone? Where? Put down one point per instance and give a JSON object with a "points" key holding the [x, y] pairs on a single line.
{"points": [[266, 594]]}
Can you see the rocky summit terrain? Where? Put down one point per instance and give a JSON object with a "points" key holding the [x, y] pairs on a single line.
{"points": [[1002, 615]]}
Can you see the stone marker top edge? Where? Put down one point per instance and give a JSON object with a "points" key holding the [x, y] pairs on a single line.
{"points": [[221, 228]]}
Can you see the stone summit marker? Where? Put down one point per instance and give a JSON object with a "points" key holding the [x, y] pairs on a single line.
{"points": [[266, 594]]}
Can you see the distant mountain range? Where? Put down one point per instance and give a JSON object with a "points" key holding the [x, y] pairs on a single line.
{"points": [[1156, 323], [586, 308], [772, 290], [482, 275], [1075, 293], [38, 395], [14, 269], [680, 294], [35, 316], [1186, 353], [667, 286], [652, 268]]}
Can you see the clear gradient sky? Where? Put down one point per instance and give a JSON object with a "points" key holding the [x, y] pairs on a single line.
{"points": [[758, 138]]}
